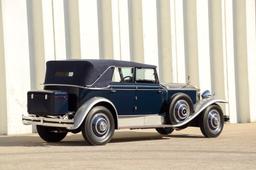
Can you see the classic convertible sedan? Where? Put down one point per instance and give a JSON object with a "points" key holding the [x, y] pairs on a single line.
{"points": [[98, 97]]}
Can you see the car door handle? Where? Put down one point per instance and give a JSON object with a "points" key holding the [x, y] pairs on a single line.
{"points": [[160, 91], [113, 90]]}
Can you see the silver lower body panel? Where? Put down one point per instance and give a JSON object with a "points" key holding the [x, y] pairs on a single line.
{"points": [[140, 122]]}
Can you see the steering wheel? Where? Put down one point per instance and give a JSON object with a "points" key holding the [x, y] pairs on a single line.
{"points": [[127, 78]]}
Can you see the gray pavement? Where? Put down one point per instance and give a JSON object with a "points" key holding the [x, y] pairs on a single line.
{"points": [[140, 149]]}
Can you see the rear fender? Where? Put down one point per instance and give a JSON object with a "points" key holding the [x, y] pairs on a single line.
{"points": [[83, 111]]}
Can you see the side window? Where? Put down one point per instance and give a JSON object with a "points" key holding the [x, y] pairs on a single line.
{"points": [[145, 75], [116, 76], [123, 74]]}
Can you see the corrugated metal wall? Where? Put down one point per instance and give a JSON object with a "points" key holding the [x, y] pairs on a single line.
{"points": [[213, 42]]}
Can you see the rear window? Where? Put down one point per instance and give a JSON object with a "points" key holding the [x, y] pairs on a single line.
{"points": [[64, 74]]}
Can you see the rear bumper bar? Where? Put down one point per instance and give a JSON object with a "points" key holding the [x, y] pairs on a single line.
{"points": [[48, 121]]}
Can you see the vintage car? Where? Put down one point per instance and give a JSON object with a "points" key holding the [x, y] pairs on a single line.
{"points": [[98, 97]]}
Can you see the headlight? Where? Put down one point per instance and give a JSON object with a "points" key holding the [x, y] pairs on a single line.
{"points": [[206, 94]]}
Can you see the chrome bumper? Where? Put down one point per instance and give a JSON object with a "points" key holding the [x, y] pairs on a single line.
{"points": [[48, 121]]}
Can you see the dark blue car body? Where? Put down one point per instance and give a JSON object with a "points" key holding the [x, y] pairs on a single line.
{"points": [[149, 98], [127, 92]]}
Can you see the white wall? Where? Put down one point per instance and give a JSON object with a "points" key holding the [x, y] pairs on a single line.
{"points": [[17, 67], [212, 42]]}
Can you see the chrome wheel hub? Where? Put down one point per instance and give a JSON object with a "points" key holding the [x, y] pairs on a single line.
{"points": [[100, 124], [181, 111]]}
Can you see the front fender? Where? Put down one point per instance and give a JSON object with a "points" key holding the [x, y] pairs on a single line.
{"points": [[83, 111], [199, 107]]}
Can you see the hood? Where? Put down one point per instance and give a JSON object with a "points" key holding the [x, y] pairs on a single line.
{"points": [[180, 86]]}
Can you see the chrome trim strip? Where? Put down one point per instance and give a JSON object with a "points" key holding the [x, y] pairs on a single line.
{"points": [[52, 122], [146, 127], [82, 87], [100, 88], [67, 85], [116, 87], [179, 85], [134, 116], [139, 89], [82, 112], [136, 85]]}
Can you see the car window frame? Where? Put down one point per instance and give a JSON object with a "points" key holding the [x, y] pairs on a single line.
{"points": [[121, 76], [155, 75]]}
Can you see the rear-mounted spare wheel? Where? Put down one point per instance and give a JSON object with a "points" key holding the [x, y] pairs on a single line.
{"points": [[51, 134]]}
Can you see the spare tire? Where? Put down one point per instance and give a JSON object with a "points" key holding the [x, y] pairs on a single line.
{"points": [[51, 134], [165, 131], [181, 107]]}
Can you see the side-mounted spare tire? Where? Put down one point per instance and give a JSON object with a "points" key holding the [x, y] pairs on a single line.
{"points": [[181, 107]]}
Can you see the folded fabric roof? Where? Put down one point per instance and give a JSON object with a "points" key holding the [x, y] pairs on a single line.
{"points": [[85, 72]]}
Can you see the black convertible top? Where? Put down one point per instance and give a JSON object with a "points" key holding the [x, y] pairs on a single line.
{"points": [[85, 72]]}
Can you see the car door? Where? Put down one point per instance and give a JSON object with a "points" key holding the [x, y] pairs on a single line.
{"points": [[123, 90], [149, 94]]}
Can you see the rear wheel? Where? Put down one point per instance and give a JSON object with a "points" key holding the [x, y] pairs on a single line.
{"points": [[99, 126], [212, 121], [51, 134], [164, 131]]}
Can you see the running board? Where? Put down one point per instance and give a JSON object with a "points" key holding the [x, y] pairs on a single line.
{"points": [[146, 127]]}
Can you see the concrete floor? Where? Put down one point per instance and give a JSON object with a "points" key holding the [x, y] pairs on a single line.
{"points": [[140, 149]]}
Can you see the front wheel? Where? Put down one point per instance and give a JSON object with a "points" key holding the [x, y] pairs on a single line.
{"points": [[51, 134], [212, 121], [99, 126]]}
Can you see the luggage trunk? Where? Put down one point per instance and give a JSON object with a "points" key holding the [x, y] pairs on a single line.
{"points": [[43, 103]]}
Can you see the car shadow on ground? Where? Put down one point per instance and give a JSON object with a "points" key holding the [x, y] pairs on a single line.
{"points": [[77, 139]]}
